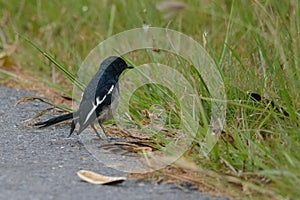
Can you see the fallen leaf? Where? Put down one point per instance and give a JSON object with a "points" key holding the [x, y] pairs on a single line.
{"points": [[92, 177]]}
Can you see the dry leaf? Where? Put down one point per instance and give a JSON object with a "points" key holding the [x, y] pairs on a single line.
{"points": [[142, 149], [95, 178]]}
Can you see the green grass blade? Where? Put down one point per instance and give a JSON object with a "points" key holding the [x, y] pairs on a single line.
{"points": [[62, 68]]}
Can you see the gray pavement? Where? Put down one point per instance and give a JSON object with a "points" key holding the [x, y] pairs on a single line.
{"points": [[42, 163]]}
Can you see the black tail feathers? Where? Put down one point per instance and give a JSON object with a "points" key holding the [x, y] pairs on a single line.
{"points": [[54, 120]]}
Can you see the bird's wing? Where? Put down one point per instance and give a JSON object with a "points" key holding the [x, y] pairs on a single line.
{"points": [[89, 108]]}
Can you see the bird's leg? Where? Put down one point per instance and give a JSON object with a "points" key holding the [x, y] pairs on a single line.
{"points": [[102, 127], [94, 128], [110, 138]]}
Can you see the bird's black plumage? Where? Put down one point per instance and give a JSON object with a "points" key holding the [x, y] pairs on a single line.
{"points": [[99, 99]]}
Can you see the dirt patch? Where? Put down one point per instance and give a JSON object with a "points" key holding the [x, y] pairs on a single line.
{"points": [[20, 80]]}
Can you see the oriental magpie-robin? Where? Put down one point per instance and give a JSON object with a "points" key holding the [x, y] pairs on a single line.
{"points": [[99, 99]]}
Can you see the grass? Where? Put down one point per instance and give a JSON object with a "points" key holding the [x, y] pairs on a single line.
{"points": [[255, 44]]}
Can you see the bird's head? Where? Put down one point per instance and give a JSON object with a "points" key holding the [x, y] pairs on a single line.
{"points": [[114, 65]]}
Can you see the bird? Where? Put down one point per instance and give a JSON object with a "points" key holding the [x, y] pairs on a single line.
{"points": [[99, 99]]}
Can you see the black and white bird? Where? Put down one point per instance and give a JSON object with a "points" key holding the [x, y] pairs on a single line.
{"points": [[99, 99]]}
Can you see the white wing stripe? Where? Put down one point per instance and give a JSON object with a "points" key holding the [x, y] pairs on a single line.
{"points": [[98, 102], [111, 89]]}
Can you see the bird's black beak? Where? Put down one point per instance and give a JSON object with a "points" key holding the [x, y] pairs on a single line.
{"points": [[130, 67]]}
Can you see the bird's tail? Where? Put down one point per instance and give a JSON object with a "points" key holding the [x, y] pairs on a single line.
{"points": [[55, 120]]}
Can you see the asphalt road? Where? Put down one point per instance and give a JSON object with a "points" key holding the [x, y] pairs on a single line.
{"points": [[42, 163]]}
